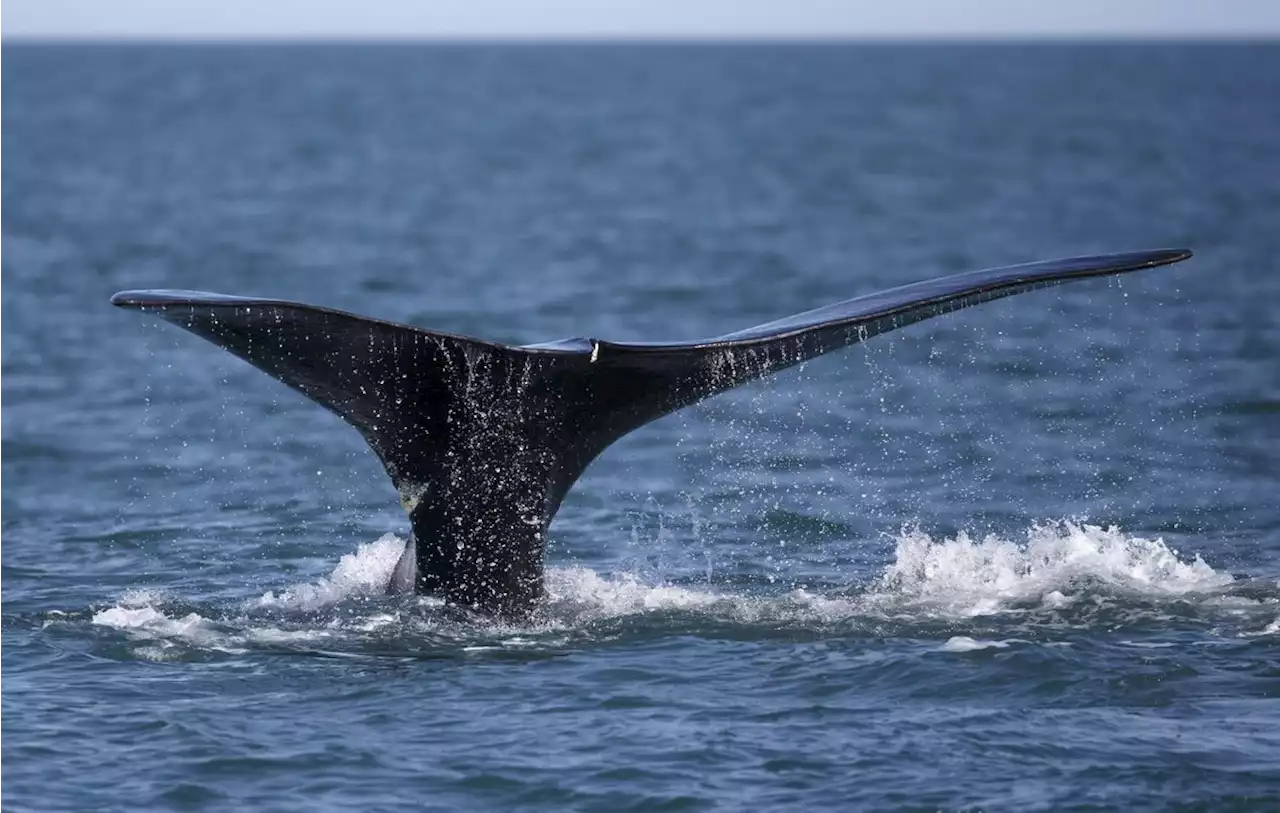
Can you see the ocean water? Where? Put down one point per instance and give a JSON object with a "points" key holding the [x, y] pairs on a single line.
{"points": [[1025, 556]]}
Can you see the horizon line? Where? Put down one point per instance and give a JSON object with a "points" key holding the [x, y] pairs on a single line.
{"points": [[994, 38]]}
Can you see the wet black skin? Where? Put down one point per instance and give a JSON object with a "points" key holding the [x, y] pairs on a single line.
{"points": [[483, 440]]}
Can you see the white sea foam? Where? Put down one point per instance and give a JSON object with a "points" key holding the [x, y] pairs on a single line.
{"points": [[150, 623], [958, 577], [163, 632], [128, 617], [621, 594], [963, 643], [362, 573], [964, 576], [1056, 566]]}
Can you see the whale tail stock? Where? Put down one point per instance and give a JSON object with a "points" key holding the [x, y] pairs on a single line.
{"points": [[482, 440]]}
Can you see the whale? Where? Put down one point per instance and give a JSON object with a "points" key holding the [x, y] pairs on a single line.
{"points": [[483, 440]]}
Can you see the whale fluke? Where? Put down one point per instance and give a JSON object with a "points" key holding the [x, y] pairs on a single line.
{"points": [[482, 440]]}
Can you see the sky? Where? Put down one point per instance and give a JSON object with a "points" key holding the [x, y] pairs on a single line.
{"points": [[636, 19]]}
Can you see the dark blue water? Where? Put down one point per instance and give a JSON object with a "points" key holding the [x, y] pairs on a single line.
{"points": [[1020, 557]]}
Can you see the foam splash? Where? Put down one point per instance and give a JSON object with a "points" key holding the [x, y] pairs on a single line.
{"points": [[621, 594], [161, 631], [362, 573], [143, 614], [965, 577], [963, 643], [1056, 566], [957, 578]]}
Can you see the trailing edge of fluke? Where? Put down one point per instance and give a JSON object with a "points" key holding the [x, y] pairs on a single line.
{"points": [[483, 440]]}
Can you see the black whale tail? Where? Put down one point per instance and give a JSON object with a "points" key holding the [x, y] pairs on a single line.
{"points": [[483, 440]]}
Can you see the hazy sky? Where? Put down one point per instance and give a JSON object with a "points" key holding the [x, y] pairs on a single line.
{"points": [[638, 18]]}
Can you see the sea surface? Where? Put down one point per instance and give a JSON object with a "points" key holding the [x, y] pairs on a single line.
{"points": [[1025, 556]]}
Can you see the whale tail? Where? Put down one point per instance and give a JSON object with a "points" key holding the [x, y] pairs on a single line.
{"points": [[483, 440]]}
